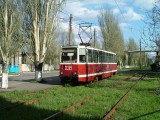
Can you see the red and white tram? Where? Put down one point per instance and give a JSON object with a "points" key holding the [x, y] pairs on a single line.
{"points": [[86, 64]]}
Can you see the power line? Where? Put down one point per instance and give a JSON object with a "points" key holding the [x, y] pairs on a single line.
{"points": [[68, 13], [130, 28], [73, 1]]}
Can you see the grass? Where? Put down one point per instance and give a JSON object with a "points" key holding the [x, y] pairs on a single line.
{"points": [[142, 103], [137, 68], [51, 71], [10, 74]]}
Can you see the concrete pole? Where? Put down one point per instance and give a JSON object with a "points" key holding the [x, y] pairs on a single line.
{"points": [[70, 30]]}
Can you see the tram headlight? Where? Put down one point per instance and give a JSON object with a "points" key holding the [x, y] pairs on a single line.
{"points": [[75, 73], [61, 73]]}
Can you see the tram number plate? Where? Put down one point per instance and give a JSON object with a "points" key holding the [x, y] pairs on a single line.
{"points": [[68, 67]]}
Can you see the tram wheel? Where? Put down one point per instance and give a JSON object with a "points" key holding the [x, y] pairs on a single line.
{"points": [[96, 78], [62, 81]]}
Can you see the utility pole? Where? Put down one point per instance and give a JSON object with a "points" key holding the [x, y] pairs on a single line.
{"points": [[70, 30], [140, 59], [94, 37]]}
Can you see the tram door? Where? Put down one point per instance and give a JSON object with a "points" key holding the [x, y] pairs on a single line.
{"points": [[100, 62], [83, 59]]}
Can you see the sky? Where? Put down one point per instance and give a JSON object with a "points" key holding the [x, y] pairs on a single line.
{"points": [[130, 14]]}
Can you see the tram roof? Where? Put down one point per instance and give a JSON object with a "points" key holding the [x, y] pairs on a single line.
{"points": [[88, 47]]}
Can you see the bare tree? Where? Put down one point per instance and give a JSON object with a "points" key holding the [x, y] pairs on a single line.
{"points": [[64, 38], [112, 36], [151, 36], [40, 18], [9, 34]]}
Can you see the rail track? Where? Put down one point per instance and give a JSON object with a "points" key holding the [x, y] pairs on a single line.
{"points": [[26, 102], [120, 101], [78, 104], [107, 116], [81, 102]]}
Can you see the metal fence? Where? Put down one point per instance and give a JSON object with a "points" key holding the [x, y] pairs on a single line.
{"points": [[28, 68]]}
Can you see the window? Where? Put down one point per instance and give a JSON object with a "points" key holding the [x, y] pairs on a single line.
{"points": [[69, 55], [95, 56], [112, 58], [82, 55], [100, 56], [103, 57], [90, 56], [107, 57]]}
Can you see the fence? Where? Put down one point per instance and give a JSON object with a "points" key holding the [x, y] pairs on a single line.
{"points": [[31, 68], [28, 68]]}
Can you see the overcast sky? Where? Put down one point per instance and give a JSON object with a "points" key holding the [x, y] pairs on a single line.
{"points": [[130, 15]]}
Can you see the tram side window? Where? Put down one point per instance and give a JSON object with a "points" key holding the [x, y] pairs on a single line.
{"points": [[114, 58], [100, 56], [82, 55], [103, 57], [90, 56], [107, 57], [95, 56], [111, 58]]}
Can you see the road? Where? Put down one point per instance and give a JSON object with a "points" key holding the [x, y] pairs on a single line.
{"points": [[25, 81]]}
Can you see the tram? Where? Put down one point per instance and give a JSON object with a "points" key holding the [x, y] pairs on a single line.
{"points": [[86, 64]]}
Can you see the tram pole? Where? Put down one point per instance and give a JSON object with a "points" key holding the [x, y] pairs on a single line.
{"points": [[70, 30]]}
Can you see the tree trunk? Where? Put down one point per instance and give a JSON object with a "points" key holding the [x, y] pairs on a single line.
{"points": [[38, 72], [4, 75]]}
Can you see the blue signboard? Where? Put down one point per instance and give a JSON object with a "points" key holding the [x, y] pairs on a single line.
{"points": [[13, 68]]}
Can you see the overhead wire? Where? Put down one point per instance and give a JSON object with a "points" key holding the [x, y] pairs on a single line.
{"points": [[73, 24], [130, 28]]}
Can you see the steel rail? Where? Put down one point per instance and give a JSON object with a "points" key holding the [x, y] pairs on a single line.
{"points": [[80, 103], [27, 102], [120, 101]]}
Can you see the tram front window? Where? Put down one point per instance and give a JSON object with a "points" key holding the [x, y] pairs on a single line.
{"points": [[69, 55]]}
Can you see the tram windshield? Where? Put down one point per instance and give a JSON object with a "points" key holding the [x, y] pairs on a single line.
{"points": [[69, 55]]}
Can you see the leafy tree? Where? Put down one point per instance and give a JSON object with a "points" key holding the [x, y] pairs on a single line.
{"points": [[9, 34], [40, 21], [53, 53], [133, 57], [112, 36], [97, 44]]}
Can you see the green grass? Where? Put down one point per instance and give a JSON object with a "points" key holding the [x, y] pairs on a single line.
{"points": [[51, 71], [142, 103], [10, 74], [137, 68]]}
